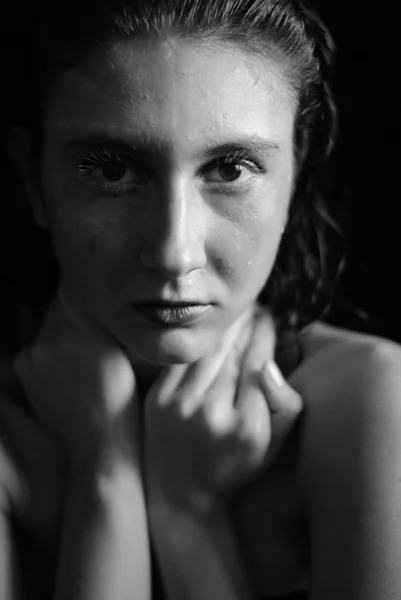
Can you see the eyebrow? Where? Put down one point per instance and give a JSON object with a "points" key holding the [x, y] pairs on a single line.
{"points": [[253, 143]]}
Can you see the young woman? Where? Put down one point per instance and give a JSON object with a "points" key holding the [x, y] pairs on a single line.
{"points": [[170, 152]]}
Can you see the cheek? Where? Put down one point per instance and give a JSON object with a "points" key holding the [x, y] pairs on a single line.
{"points": [[245, 251], [245, 258], [93, 239]]}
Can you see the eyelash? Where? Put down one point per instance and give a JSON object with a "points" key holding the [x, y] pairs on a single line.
{"points": [[240, 157]]}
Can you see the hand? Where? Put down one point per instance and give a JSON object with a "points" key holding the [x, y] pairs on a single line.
{"points": [[212, 425], [79, 383]]}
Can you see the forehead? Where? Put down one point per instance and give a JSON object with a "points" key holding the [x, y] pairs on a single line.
{"points": [[176, 91]]}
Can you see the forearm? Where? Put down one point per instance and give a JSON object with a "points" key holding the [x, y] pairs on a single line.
{"points": [[198, 555], [104, 548]]}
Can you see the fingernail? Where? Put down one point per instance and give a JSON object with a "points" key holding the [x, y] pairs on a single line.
{"points": [[273, 373]]}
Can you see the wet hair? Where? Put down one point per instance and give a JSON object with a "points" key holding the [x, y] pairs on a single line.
{"points": [[52, 39]]}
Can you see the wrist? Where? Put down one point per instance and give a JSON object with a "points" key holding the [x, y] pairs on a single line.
{"points": [[105, 453], [178, 493], [166, 515], [105, 470]]}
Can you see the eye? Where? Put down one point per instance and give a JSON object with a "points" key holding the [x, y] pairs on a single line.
{"points": [[236, 172], [230, 171], [113, 172], [119, 170]]}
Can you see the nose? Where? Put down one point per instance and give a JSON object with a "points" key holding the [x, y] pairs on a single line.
{"points": [[175, 243]]}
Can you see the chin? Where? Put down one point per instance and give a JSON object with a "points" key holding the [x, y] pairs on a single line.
{"points": [[181, 346]]}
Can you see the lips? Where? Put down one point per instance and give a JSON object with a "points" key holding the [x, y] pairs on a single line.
{"points": [[171, 314]]}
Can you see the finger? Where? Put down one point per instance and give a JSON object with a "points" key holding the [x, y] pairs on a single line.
{"points": [[200, 376], [238, 379], [238, 333], [259, 350], [189, 384], [163, 390], [284, 402], [232, 344], [253, 420], [186, 383], [262, 343], [218, 404]]}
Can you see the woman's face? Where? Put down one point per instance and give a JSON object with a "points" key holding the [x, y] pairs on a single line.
{"points": [[166, 174]]}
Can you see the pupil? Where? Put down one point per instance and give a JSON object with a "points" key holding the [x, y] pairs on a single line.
{"points": [[230, 172], [113, 171]]}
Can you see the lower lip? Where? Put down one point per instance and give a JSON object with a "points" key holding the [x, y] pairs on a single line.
{"points": [[171, 316]]}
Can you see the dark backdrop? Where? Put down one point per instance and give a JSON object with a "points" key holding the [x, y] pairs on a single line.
{"points": [[368, 160]]}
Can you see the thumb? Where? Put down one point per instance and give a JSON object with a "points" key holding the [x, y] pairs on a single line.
{"points": [[284, 402]]}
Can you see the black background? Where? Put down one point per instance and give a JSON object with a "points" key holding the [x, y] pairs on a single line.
{"points": [[367, 36]]}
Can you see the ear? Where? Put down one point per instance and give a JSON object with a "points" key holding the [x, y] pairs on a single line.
{"points": [[19, 149]]}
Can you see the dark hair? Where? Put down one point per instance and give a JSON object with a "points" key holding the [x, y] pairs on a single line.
{"points": [[301, 286]]}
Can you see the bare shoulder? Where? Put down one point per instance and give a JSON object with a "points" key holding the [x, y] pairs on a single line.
{"points": [[335, 360], [349, 462], [351, 386]]}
